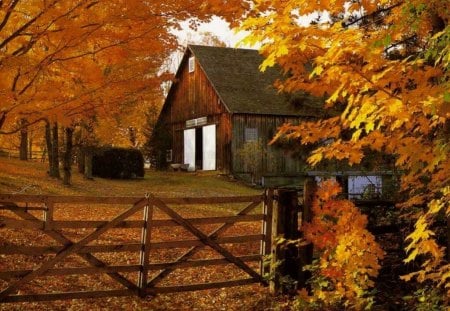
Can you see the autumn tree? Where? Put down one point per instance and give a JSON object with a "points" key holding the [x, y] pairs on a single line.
{"points": [[64, 61], [384, 67]]}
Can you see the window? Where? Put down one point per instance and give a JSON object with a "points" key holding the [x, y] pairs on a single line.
{"points": [[250, 134], [169, 155], [191, 64], [364, 187]]}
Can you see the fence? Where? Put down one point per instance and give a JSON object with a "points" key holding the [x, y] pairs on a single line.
{"points": [[89, 240], [15, 154]]}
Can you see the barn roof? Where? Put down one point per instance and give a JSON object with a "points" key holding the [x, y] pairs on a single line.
{"points": [[243, 88]]}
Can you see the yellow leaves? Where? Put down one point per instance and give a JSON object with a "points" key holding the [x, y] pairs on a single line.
{"points": [[316, 72], [349, 255], [390, 79], [316, 157], [395, 106]]}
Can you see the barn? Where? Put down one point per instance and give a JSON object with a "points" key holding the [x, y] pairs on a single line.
{"points": [[219, 104]]}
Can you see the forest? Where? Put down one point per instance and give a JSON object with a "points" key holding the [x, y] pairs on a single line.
{"points": [[92, 72]]}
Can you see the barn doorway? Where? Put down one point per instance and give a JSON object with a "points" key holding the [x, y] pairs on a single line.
{"points": [[200, 148]]}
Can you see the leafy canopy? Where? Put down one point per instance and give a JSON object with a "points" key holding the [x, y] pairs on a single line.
{"points": [[383, 68]]}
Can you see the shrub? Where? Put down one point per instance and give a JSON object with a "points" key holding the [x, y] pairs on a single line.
{"points": [[109, 162]]}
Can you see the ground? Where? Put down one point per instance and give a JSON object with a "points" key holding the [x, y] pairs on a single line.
{"points": [[31, 178]]}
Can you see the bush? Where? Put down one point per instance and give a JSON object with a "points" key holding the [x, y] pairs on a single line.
{"points": [[108, 162]]}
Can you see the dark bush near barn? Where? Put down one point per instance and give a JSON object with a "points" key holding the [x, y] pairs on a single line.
{"points": [[108, 162]]}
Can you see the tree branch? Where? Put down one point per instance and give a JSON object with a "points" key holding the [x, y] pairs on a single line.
{"points": [[372, 15], [8, 14], [22, 126]]}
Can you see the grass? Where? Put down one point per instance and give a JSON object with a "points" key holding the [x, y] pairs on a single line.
{"points": [[31, 178]]}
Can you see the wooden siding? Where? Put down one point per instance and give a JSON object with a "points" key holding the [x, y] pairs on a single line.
{"points": [[191, 97], [277, 161]]}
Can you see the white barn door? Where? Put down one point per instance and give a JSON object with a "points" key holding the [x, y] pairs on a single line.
{"points": [[189, 148], [209, 147]]}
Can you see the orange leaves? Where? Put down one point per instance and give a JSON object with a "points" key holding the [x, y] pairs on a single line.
{"points": [[349, 255]]}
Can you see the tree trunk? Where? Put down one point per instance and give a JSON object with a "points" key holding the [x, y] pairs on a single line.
{"points": [[23, 154], [30, 146], [54, 166], [48, 141], [88, 164], [67, 160]]}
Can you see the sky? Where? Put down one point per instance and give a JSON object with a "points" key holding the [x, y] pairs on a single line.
{"points": [[217, 26]]}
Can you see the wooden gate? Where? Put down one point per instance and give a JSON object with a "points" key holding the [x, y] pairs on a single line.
{"points": [[87, 239]]}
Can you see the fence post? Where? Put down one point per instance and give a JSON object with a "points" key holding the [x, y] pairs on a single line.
{"points": [[48, 215], [448, 238], [284, 265], [266, 244], [144, 254], [306, 251]]}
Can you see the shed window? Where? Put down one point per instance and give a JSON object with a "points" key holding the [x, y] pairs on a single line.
{"points": [[191, 64], [251, 134]]}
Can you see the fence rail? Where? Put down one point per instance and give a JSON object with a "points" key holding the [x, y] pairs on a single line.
{"points": [[37, 212]]}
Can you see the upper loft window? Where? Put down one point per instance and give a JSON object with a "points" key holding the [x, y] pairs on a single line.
{"points": [[191, 64]]}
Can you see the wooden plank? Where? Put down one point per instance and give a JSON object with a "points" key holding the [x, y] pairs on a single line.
{"points": [[144, 254], [200, 263], [38, 250], [118, 248], [11, 223], [158, 277], [6, 275], [70, 249], [189, 243], [6, 198], [266, 243], [306, 252], [91, 259], [210, 220], [48, 216], [61, 224], [212, 200], [67, 199], [68, 295], [8, 206], [74, 224], [206, 239], [202, 286]]}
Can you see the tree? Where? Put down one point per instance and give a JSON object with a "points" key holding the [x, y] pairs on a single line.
{"points": [[65, 61], [384, 67]]}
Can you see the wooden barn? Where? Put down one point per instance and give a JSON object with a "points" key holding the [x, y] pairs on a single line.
{"points": [[219, 104]]}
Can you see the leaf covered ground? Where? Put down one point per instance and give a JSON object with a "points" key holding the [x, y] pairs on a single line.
{"points": [[31, 178]]}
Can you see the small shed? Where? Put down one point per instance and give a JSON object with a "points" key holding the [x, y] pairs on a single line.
{"points": [[219, 104]]}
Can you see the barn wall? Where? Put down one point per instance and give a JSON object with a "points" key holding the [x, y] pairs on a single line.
{"points": [[276, 161], [191, 97]]}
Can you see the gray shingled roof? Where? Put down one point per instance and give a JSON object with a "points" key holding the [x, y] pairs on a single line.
{"points": [[242, 87]]}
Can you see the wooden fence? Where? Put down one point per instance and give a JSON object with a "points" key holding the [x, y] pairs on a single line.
{"points": [[37, 213]]}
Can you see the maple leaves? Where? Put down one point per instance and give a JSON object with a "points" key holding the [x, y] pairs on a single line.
{"points": [[383, 67], [349, 256], [68, 60]]}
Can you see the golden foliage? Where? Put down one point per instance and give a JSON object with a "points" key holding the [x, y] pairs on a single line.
{"points": [[383, 67], [349, 256], [73, 59]]}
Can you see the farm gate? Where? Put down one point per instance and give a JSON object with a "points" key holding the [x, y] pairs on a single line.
{"points": [[162, 242]]}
